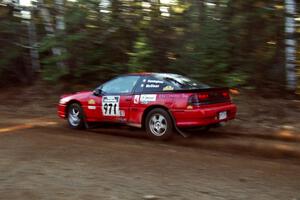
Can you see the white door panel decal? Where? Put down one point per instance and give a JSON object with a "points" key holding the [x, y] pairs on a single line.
{"points": [[146, 98], [136, 99], [111, 106]]}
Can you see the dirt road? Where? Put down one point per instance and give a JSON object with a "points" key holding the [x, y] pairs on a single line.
{"points": [[41, 158]]}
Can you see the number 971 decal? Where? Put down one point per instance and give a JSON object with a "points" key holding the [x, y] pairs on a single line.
{"points": [[111, 106]]}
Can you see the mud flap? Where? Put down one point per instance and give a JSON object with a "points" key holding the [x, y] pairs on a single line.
{"points": [[86, 125], [185, 135]]}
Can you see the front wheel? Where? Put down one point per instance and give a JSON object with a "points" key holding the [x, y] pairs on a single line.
{"points": [[75, 116], [159, 124]]}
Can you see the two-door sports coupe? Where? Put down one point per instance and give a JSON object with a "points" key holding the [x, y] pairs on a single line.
{"points": [[158, 102]]}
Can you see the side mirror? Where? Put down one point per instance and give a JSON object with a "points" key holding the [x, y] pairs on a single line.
{"points": [[97, 92]]}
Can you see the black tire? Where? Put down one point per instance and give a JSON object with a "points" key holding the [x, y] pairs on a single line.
{"points": [[72, 120], [162, 127]]}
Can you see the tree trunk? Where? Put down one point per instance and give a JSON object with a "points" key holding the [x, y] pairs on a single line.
{"points": [[290, 45], [60, 25], [49, 27], [60, 22], [32, 38]]}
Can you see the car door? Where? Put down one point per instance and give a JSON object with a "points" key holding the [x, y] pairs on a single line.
{"points": [[117, 97], [146, 94]]}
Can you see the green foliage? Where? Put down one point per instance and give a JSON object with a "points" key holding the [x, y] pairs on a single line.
{"points": [[12, 66], [52, 74], [140, 58], [47, 44], [230, 42], [51, 71]]}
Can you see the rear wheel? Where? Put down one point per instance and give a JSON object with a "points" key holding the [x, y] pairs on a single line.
{"points": [[159, 124], [75, 116]]}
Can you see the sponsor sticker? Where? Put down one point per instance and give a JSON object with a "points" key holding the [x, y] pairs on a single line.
{"points": [[136, 99], [168, 88], [91, 107], [122, 113], [152, 86], [146, 98], [91, 101], [111, 106], [155, 81]]}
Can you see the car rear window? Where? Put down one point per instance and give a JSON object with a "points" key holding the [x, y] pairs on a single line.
{"points": [[152, 84], [180, 82], [168, 82]]}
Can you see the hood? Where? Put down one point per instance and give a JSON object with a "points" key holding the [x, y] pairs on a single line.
{"points": [[76, 94], [79, 96]]}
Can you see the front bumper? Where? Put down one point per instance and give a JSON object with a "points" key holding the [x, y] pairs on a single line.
{"points": [[203, 116], [61, 110]]}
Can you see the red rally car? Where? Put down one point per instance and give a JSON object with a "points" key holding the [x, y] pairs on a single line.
{"points": [[158, 102]]}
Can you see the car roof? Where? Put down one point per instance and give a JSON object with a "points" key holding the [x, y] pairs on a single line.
{"points": [[141, 73], [149, 73]]}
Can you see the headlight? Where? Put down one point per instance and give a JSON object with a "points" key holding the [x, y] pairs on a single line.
{"points": [[62, 101]]}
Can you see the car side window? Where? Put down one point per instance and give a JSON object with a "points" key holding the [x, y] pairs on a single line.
{"points": [[152, 84], [120, 85]]}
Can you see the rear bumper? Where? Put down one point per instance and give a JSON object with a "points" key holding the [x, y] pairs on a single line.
{"points": [[61, 108], [204, 116]]}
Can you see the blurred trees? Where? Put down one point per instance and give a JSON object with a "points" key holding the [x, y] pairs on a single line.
{"points": [[231, 42], [12, 63], [290, 43]]}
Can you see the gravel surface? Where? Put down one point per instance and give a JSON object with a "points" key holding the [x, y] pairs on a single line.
{"points": [[41, 158]]}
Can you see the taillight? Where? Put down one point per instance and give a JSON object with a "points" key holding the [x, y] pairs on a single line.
{"points": [[208, 97], [225, 94], [196, 99], [203, 96], [193, 100]]}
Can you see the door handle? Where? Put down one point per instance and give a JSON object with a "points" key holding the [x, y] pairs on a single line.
{"points": [[128, 99]]}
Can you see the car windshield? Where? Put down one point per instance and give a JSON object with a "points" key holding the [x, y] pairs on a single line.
{"points": [[181, 82], [122, 84]]}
